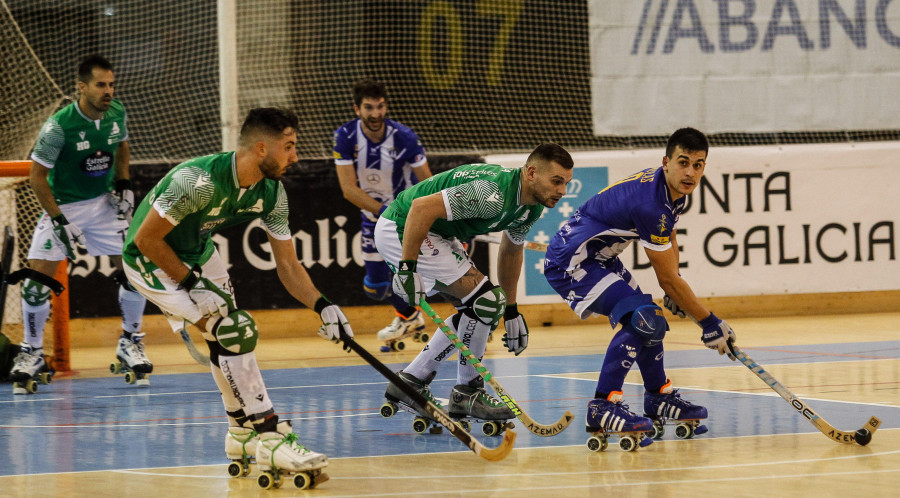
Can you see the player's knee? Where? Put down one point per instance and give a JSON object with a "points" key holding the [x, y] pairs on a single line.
{"points": [[649, 323], [235, 333], [487, 305], [379, 291], [35, 293]]}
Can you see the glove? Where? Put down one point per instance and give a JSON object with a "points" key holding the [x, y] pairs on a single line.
{"points": [[672, 306], [335, 326], [516, 337], [408, 284], [122, 199], [209, 297], [66, 235], [717, 334]]}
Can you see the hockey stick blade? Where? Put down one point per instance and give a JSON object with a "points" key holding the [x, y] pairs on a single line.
{"points": [[530, 245], [196, 355], [489, 454], [861, 436], [9, 241], [530, 423]]}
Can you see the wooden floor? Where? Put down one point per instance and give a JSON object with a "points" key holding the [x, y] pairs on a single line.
{"points": [[749, 460]]}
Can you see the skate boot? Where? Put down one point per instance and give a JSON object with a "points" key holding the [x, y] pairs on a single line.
{"points": [[470, 401], [402, 328], [29, 365], [668, 407], [132, 361], [240, 448], [397, 398], [606, 417], [279, 455]]}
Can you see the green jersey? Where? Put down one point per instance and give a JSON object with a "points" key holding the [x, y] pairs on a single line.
{"points": [[80, 151], [200, 197], [480, 199]]}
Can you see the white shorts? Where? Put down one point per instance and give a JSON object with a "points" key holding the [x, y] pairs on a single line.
{"points": [[104, 232], [441, 260], [175, 303]]}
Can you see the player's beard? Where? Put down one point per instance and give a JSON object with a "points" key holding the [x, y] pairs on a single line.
{"points": [[271, 170]]}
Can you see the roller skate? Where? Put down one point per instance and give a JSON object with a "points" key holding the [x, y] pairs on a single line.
{"points": [[403, 328], [668, 407], [471, 402], [132, 361], [29, 365], [396, 398], [240, 448], [281, 455], [606, 417]]}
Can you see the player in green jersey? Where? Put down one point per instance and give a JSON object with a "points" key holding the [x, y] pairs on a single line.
{"points": [[420, 236], [79, 173], [171, 259]]}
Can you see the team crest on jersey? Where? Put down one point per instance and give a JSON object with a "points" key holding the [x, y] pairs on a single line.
{"points": [[662, 224]]}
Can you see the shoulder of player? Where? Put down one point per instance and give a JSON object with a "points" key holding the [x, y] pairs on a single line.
{"points": [[400, 128], [346, 128]]}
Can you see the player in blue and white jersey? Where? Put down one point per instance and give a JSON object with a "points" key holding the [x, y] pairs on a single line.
{"points": [[583, 266], [376, 159]]}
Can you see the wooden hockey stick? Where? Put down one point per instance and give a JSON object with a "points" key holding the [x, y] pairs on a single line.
{"points": [[196, 355], [532, 246], [861, 436], [9, 241], [489, 454], [530, 423]]}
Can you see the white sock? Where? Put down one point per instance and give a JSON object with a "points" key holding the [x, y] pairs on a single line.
{"points": [[132, 305], [35, 318]]}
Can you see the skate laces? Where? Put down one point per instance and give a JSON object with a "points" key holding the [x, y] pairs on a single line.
{"points": [[488, 399], [675, 399], [293, 441]]}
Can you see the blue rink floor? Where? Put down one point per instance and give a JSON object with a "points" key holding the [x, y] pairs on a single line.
{"points": [[102, 424]]}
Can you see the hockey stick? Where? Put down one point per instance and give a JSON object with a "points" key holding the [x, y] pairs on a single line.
{"points": [[196, 355], [489, 454], [5, 267], [860, 436], [533, 246], [534, 427]]}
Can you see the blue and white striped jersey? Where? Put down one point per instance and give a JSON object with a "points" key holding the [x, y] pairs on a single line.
{"points": [[383, 169], [638, 207]]}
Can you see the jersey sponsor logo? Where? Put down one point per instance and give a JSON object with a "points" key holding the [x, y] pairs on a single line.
{"points": [[217, 210], [97, 164], [256, 208], [115, 129], [83, 144], [656, 239]]}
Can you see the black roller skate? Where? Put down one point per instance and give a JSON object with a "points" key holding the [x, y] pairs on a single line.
{"points": [[471, 402], [396, 398]]}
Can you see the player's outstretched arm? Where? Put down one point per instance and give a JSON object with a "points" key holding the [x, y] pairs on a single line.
{"points": [[350, 188]]}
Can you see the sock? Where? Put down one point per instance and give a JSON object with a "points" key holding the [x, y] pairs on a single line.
{"points": [[650, 361], [131, 304], [401, 306], [622, 352], [35, 318]]}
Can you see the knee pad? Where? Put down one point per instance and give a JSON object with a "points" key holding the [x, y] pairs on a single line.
{"points": [[34, 293], [236, 333], [648, 323], [378, 291], [487, 305]]}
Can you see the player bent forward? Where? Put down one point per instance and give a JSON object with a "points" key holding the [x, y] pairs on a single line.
{"points": [[583, 266], [420, 236], [171, 259]]}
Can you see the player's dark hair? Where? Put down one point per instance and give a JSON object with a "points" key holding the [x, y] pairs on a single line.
{"points": [[689, 139], [87, 65], [271, 121], [368, 89], [551, 152]]}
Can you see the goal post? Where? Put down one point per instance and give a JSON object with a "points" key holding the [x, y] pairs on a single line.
{"points": [[20, 210]]}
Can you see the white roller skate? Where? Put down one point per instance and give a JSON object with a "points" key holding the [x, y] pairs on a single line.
{"points": [[667, 407], [240, 448], [29, 365], [402, 328], [132, 361], [397, 398], [471, 401], [279, 455], [606, 417]]}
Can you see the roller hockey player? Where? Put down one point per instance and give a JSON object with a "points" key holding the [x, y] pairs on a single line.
{"points": [[421, 236], [583, 266]]}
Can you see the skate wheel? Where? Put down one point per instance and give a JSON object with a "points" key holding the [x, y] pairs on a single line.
{"points": [[236, 469], [465, 425], [628, 443], [265, 480], [659, 429], [398, 346], [702, 429], [423, 337], [385, 349], [388, 410], [490, 428], [420, 425], [31, 386], [595, 443], [130, 378], [302, 480], [18, 388], [114, 368], [45, 378], [684, 431]]}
